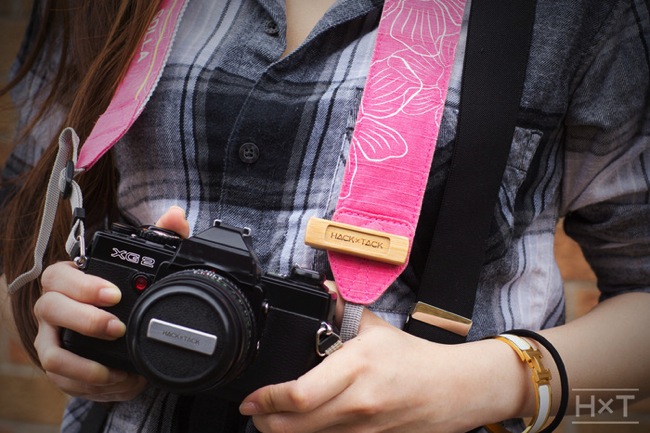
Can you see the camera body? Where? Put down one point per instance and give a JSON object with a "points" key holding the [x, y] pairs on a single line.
{"points": [[201, 315]]}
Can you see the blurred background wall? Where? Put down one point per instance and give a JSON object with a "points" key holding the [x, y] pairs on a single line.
{"points": [[28, 402]]}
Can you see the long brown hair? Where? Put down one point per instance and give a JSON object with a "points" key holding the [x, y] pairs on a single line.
{"points": [[95, 41]]}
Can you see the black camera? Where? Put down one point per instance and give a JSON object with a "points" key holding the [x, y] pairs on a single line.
{"points": [[201, 315]]}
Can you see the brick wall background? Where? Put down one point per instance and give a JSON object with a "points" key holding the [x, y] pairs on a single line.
{"points": [[30, 404]]}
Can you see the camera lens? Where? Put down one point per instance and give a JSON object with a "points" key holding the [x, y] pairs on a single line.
{"points": [[191, 331]]}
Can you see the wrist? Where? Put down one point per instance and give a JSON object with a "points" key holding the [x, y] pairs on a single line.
{"points": [[540, 377], [554, 369], [502, 386]]}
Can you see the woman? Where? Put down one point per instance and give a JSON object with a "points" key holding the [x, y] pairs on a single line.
{"points": [[287, 77]]}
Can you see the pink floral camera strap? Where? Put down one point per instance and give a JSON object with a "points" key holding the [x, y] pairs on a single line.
{"points": [[392, 147], [136, 88]]}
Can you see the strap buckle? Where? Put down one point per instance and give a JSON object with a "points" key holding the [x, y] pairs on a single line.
{"points": [[67, 178]]}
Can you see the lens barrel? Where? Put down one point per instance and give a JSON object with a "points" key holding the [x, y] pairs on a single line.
{"points": [[192, 331]]}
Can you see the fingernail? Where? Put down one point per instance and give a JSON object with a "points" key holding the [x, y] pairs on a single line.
{"points": [[110, 295], [248, 408], [116, 376], [115, 328], [180, 209]]}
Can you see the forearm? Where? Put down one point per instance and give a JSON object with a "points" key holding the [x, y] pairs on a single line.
{"points": [[450, 388], [606, 348]]}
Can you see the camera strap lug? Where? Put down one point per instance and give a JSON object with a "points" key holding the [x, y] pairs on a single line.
{"points": [[78, 254], [327, 341]]}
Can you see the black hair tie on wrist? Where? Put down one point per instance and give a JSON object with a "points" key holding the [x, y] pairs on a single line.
{"points": [[564, 382]]}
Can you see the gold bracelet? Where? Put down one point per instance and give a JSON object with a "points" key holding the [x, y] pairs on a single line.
{"points": [[541, 379]]}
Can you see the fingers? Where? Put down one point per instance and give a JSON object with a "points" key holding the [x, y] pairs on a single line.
{"points": [[318, 386], [126, 388], [74, 300], [324, 399], [336, 395], [302, 395], [70, 298], [56, 360], [174, 219], [67, 279], [57, 310], [296, 406], [316, 401], [321, 384], [80, 377]]}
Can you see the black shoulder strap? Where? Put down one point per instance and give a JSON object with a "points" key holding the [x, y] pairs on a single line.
{"points": [[95, 418], [496, 56]]}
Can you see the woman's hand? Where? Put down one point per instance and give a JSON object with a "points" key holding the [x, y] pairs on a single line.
{"points": [[386, 380], [70, 300]]}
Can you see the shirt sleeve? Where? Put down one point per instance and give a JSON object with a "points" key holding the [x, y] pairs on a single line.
{"points": [[606, 187]]}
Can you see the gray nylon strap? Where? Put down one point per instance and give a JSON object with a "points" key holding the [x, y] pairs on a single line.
{"points": [[351, 319], [68, 150]]}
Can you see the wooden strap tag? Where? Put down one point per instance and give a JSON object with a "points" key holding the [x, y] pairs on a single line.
{"points": [[357, 241]]}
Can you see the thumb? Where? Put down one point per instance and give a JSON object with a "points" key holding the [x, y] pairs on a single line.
{"points": [[174, 220], [371, 320], [368, 318]]}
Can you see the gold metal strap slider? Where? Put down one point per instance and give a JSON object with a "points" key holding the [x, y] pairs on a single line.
{"points": [[441, 318]]}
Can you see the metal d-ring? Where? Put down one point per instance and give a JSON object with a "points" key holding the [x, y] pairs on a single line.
{"points": [[327, 341]]}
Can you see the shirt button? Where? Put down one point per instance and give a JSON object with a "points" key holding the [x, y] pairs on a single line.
{"points": [[272, 28], [249, 153]]}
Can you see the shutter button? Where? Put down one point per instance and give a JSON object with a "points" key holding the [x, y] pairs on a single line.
{"points": [[249, 153]]}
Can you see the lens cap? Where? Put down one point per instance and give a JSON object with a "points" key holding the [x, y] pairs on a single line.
{"points": [[191, 331]]}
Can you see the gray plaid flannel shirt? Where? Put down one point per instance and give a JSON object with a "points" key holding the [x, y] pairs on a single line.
{"points": [[581, 151]]}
